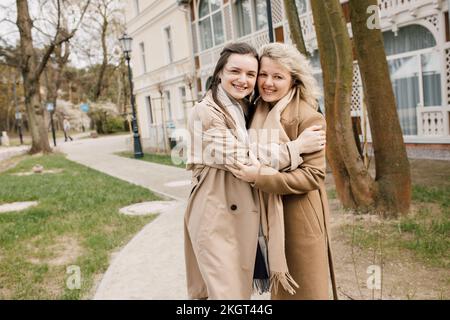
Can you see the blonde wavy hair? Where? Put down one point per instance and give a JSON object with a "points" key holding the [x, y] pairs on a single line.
{"points": [[299, 66]]}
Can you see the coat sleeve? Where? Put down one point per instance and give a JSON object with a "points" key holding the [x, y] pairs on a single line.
{"points": [[214, 142], [219, 146], [305, 178]]}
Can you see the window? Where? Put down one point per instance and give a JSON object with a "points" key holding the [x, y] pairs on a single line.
{"points": [[415, 72], [168, 105], [431, 79], [301, 6], [405, 81], [409, 38], [250, 15], [144, 65], [168, 35], [243, 17], [136, 6], [150, 111], [260, 9], [182, 92], [210, 24]]}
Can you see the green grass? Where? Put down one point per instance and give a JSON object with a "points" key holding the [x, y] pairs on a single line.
{"points": [[156, 158], [426, 233], [440, 195], [76, 223], [331, 194]]}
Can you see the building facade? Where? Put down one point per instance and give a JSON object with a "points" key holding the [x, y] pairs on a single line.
{"points": [[163, 67], [417, 44]]}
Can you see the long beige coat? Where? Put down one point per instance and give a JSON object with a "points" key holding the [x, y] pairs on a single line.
{"points": [[306, 212], [221, 223]]}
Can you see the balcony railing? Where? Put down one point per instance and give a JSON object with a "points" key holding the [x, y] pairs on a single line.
{"points": [[390, 7]]}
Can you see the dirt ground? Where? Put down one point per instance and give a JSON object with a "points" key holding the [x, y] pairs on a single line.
{"points": [[403, 276]]}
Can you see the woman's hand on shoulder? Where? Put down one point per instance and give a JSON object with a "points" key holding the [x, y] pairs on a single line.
{"points": [[311, 140]]}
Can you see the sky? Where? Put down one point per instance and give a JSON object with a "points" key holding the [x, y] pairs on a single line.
{"points": [[83, 52]]}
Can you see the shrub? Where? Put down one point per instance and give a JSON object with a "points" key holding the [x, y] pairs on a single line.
{"points": [[114, 124]]}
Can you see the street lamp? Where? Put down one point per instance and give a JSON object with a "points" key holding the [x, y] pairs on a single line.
{"points": [[125, 42], [269, 20]]}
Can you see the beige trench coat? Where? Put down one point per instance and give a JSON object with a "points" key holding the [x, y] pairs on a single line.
{"points": [[306, 212], [221, 224]]}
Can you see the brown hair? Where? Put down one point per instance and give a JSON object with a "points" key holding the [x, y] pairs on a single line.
{"points": [[233, 48]]}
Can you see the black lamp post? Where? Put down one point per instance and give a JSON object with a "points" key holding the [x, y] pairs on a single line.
{"points": [[269, 20], [125, 42]]}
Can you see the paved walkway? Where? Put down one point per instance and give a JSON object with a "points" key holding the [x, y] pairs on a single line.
{"points": [[151, 265], [9, 152]]}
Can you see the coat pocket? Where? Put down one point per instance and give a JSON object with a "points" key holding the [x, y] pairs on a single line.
{"points": [[316, 210], [307, 223]]}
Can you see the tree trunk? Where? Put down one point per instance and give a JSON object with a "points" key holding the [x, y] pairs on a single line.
{"points": [[353, 176], [9, 105], [295, 26], [328, 63], [119, 91], [54, 74], [30, 73], [101, 74], [392, 166]]}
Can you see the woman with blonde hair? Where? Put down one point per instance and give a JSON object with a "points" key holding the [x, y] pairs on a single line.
{"points": [[295, 216]]}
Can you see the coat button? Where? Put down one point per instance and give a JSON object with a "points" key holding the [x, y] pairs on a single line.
{"points": [[233, 207]]}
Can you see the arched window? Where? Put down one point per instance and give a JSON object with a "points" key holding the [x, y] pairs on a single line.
{"points": [[210, 23], [409, 38], [415, 75]]}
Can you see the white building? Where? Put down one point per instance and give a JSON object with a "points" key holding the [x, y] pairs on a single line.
{"points": [[162, 65], [417, 43]]}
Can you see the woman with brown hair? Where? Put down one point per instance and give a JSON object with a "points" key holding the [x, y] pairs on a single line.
{"points": [[295, 206], [223, 212]]}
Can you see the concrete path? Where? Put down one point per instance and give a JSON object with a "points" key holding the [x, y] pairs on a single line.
{"points": [[9, 152], [151, 265]]}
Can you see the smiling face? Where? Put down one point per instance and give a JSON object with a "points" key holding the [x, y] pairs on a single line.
{"points": [[274, 80], [238, 76]]}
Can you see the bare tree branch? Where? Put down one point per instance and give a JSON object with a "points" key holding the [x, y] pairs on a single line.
{"points": [[61, 35]]}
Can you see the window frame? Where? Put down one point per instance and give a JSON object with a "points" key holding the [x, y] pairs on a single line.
{"points": [[168, 40], [148, 101], [183, 98], [209, 16], [137, 8], [143, 60], [168, 98]]}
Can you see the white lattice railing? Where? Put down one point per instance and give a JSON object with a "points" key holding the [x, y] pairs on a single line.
{"points": [[277, 12], [210, 56], [357, 92], [389, 7], [431, 121], [256, 39]]}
